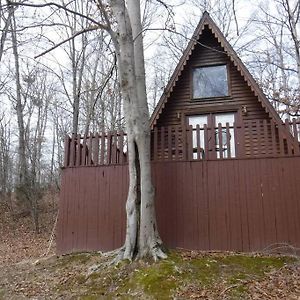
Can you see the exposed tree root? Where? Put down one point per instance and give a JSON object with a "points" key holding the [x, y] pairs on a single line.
{"points": [[156, 253]]}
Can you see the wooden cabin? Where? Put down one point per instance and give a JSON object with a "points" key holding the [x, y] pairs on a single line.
{"points": [[224, 164]]}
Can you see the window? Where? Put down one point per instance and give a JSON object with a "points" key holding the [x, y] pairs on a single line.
{"points": [[215, 149], [210, 82]]}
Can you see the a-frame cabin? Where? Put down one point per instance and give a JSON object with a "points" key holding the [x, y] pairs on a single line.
{"points": [[212, 86], [225, 166]]}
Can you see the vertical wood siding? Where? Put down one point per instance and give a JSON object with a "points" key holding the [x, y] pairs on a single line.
{"points": [[242, 205]]}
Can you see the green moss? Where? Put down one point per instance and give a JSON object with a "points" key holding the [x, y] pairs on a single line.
{"points": [[89, 297], [2, 294], [77, 258], [168, 278], [205, 270], [255, 265]]}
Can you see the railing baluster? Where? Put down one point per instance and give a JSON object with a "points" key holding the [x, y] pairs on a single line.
{"points": [[114, 139], [90, 150], [102, 152], [184, 142], [155, 148], [190, 142], [281, 138], [78, 150], [169, 143], [84, 150], [206, 141], [176, 143], [258, 132], [220, 140], [267, 145], [296, 137], [273, 136], [288, 141], [121, 148], [228, 140], [72, 151], [108, 158], [162, 142], [96, 149], [198, 141]]}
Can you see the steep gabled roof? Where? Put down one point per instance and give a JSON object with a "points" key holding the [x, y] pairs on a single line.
{"points": [[207, 20]]}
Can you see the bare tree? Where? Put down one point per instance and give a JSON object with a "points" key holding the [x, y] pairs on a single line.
{"points": [[142, 237], [273, 56], [5, 158], [6, 19]]}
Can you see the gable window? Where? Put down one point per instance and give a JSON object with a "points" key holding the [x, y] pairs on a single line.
{"points": [[210, 82]]}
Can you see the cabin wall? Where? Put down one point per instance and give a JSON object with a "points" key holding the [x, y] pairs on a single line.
{"points": [[181, 103], [240, 205]]}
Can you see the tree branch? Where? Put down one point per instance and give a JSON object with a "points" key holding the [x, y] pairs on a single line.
{"points": [[235, 18], [91, 28], [10, 3]]}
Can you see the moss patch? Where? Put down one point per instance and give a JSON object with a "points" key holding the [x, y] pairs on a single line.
{"points": [[2, 294], [184, 275]]}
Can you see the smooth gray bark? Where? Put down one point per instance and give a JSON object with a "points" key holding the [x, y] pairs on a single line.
{"points": [[142, 237]]}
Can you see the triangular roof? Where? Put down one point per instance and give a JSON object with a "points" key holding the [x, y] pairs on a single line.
{"points": [[207, 20]]}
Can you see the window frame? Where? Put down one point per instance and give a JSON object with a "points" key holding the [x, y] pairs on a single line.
{"points": [[212, 97], [211, 124]]}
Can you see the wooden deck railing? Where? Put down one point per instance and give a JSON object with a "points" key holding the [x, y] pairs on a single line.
{"points": [[256, 138], [96, 149]]}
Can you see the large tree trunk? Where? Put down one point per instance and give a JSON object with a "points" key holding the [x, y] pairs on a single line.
{"points": [[142, 237]]}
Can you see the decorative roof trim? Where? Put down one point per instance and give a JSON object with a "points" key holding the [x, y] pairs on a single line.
{"points": [[207, 20]]}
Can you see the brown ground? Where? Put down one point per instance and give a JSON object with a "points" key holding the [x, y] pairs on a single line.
{"points": [[18, 241], [25, 273]]}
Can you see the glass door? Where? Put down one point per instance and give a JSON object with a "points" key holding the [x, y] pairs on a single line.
{"points": [[221, 141]]}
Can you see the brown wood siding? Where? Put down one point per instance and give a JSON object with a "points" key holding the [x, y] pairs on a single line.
{"points": [[241, 205], [180, 100]]}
